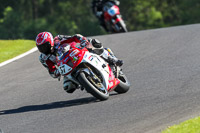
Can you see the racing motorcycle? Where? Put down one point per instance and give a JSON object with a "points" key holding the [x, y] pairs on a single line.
{"points": [[88, 71], [113, 19]]}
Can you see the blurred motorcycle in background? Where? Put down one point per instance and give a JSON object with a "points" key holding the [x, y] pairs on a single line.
{"points": [[108, 13], [113, 19]]}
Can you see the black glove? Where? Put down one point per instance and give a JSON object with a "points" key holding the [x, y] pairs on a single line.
{"points": [[84, 43]]}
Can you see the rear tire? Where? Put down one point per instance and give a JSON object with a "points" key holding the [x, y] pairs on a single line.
{"points": [[97, 90]]}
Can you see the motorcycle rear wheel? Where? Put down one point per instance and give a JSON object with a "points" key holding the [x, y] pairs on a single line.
{"points": [[98, 90]]}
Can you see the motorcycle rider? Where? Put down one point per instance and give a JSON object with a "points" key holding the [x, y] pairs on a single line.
{"points": [[97, 8], [48, 47]]}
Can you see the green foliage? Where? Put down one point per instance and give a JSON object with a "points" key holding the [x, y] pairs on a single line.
{"points": [[26, 18], [190, 11]]}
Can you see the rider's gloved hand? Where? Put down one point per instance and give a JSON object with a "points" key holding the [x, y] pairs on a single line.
{"points": [[60, 37], [57, 73], [84, 43]]}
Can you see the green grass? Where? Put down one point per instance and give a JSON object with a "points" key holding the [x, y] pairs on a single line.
{"points": [[13, 48], [189, 126]]}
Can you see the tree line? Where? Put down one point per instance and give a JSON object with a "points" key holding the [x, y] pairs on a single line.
{"points": [[24, 19]]}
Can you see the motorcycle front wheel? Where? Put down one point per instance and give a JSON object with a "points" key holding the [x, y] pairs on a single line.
{"points": [[122, 26], [97, 89], [124, 84]]}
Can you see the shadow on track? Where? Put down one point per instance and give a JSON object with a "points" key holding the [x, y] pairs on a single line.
{"points": [[54, 105]]}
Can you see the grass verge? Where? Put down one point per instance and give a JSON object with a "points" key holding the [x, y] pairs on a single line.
{"points": [[13, 48], [189, 126]]}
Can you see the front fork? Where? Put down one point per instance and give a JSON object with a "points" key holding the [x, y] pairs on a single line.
{"points": [[89, 72]]}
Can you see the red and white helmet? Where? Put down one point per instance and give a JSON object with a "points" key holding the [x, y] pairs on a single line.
{"points": [[44, 42]]}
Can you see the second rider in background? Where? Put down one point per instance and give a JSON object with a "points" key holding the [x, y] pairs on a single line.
{"points": [[97, 8]]}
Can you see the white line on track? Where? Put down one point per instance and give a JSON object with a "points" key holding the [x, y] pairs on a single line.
{"points": [[18, 57]]}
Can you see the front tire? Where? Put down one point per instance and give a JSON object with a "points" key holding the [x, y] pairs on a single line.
{"points": [[98, 90], [124, 84], [122, 26]]}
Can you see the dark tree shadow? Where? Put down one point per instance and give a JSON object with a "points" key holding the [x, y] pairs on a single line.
{"points": [[48, 106]]}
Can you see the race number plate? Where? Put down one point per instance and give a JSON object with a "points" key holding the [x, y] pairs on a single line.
{"points": [[64, 69]]}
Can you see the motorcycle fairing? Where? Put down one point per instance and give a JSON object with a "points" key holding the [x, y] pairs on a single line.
{"points": [[113, 82], [109, 79], [75, 56], [114, 10], [111, 12], [70, 60]]}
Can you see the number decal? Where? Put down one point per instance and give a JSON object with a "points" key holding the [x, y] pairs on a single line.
{"points": [[64, 69]]}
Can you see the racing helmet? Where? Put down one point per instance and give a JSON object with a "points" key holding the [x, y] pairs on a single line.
{"points": [[44, 42]]}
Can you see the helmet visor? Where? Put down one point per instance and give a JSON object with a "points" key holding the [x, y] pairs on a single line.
{"points": [[45, 48]]}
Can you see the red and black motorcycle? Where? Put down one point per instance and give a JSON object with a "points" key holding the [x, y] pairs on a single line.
{"points": [[113, 19]]}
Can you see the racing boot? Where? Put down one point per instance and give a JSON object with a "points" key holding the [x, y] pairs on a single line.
{"points": [[105, 53], [110, 58], [114, 60]]}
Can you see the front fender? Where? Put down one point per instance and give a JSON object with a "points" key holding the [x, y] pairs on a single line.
{"points": [[85, 70]]}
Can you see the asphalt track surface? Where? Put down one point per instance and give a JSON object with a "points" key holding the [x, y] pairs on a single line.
{"points": [[163, 66]]}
